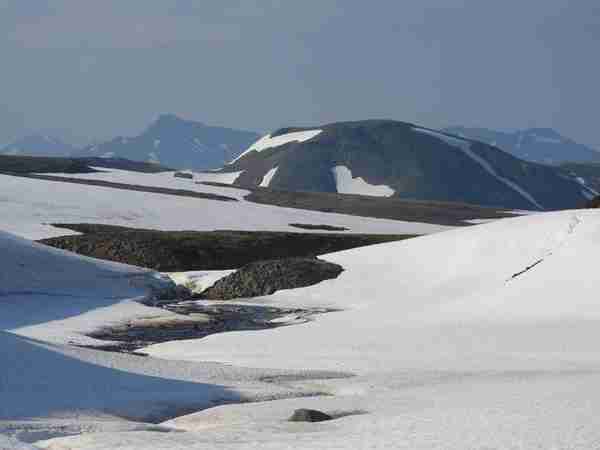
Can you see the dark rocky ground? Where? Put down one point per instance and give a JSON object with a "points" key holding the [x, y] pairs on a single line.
{"points": [[178, 251], [593, 203], [36, 164], [322, 227], [441, 213], [266, 277]]}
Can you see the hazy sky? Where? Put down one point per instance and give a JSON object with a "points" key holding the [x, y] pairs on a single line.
{"points": [[105, 67]]}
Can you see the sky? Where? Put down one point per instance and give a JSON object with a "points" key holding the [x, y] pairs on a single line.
{"points": [[89, 69]]}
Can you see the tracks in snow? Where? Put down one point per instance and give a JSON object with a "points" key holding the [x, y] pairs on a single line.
{"points": [[571, 228]]}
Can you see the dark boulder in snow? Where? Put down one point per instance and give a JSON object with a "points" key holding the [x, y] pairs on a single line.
{"points": [[267, 277], [187, 175], [309, 415], [593, 203]]}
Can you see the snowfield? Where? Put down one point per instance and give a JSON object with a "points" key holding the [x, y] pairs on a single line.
{"points": [[49, 388], [477, 337], [29, 206], [346, 184], [480, 337]]}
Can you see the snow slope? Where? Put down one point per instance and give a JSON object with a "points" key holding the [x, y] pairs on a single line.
{"points": [[57, 296], [29, 205], [465, 146], [346, 184], [267, 141], [51, 389], [481, 337], [468, 292]]}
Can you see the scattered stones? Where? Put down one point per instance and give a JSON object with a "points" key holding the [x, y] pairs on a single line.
{"points": [[309, 415]]}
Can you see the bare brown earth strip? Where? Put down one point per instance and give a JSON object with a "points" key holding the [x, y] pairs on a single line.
{"points": [[439, 213], [128, 187], [42, 164]]}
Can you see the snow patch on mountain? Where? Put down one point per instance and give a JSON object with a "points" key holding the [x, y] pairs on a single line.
{"points": [[266, 181], [267, 141], [465, 146], [346, 184]]}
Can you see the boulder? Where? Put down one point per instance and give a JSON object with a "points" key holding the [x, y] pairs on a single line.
{"points": [[309, 415], [266, 277]]}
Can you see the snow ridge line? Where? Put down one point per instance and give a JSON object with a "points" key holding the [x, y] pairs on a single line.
{"points": [[571, 227]]}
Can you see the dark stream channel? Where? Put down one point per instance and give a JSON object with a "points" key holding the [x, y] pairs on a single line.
{"points": [[203, 319]]}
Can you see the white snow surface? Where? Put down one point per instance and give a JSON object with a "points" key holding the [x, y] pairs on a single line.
{"points": [[225, 178], [51, 389], [480, 337], [267, 141], [465, 146], [266, 181], [393, 306], [346, 184], [198, 281], [28, 208], [68, 294]]}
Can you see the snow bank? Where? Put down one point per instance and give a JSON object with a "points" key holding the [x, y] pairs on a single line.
{"points": [[345, 184], [481, 337], [48, 387], [56, 296], [267, 141], [487, 296]]}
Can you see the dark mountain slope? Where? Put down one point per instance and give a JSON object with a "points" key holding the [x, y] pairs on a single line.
{"points": [[390, 158], [33, 164]]}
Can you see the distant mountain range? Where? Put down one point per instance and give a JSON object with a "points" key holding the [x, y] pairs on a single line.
{"points": [[168, 141], [543, 145], [38, 145], [390, 158], [177, 143]]}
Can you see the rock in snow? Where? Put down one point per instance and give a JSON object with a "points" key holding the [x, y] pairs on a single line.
{"points": [[309, 415], [266, 277]]}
